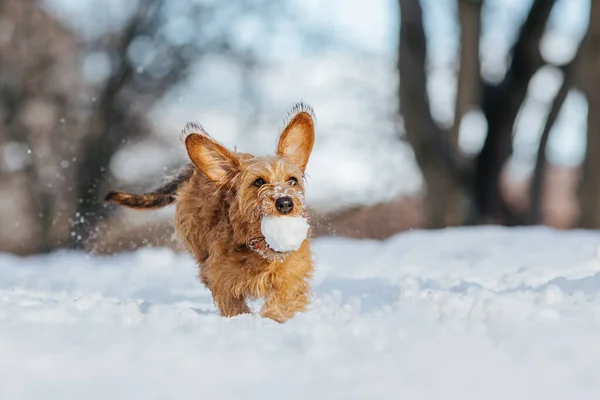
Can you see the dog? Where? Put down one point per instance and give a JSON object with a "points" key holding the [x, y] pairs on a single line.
{"points": [[221, 198]]}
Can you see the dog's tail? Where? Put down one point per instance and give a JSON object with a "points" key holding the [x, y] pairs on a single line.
{"points": [[160, 197]]}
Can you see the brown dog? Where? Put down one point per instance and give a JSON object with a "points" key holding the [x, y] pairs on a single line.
{"points": [[221, 199]]}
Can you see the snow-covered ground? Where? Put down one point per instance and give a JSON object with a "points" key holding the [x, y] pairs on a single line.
{"points": [[480, 313]]}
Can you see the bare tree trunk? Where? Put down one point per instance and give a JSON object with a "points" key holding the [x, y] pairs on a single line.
{"points": [[589, 188], [434, 152], [501, 105]]}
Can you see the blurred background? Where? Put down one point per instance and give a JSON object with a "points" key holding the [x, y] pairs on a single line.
{"points": [[431, 113]]}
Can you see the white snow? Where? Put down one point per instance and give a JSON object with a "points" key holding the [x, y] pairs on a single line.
{"points": [[478, 313], [284, 233]]}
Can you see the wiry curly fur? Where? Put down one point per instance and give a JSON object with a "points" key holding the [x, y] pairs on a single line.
{"points": [[218, 215]]}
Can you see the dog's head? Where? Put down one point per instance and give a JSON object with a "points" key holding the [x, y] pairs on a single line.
{"points": [[257, 187]]}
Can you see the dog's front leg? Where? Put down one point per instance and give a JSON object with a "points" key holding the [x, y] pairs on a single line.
{"points": [[282, 304], [230, 305]]}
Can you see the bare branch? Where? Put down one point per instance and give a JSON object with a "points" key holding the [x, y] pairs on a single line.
{"points": [[469, 13], [538, 179]]}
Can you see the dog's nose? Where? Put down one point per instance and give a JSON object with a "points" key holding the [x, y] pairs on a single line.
{"points": [[284, 204]]}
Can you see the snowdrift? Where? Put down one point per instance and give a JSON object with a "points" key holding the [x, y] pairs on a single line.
{"points": [[478, 313]]}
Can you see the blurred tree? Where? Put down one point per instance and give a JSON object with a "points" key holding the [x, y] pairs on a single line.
{"points": [[435, 151], [38, 80], [462, 190], [59, 129], [589, 187]]}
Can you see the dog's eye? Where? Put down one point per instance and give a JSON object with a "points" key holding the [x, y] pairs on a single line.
{"points": [[293, 181], [259, 182]]}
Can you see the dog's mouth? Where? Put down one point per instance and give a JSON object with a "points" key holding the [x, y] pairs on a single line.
{"points": [[260, 245], [257, 243]]}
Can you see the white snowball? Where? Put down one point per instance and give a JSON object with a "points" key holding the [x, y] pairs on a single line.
{"points": [[284, 233]]}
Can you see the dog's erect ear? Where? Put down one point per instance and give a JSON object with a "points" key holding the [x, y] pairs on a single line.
{"points": [[298, 136], [217, 163]]}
